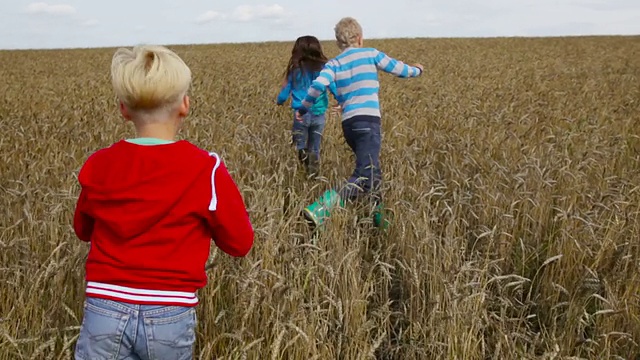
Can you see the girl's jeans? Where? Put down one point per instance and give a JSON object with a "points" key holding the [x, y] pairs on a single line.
{"points": [[307, 135], [117, 330]]}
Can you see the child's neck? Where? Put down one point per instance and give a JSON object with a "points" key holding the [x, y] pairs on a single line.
{"points": [[162, 131]]}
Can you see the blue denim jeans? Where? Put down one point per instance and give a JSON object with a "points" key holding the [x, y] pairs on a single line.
{"points": [[363, 135], [121, 331], [307, 135]]}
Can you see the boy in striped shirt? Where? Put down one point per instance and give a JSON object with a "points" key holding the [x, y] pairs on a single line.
{"points": [[355, 74]]}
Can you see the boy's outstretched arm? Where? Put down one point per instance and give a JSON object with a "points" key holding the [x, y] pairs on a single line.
{"points": [[82, 223], [284, 92], [396, 67], [231, 229], [318, 86]]}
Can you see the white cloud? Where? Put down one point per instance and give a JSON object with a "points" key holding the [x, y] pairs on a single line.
{"points": [[250, 13], [90, 22], [247, 13], [210, 16], [55, 9]]}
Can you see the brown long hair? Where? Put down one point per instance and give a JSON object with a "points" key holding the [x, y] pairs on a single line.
{"points": [[306, 55]]}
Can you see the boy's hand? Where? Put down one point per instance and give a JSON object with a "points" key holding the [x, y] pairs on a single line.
{"points": [[298, 116], [419, 66]]}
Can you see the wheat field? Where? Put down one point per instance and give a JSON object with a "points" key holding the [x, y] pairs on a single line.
{"points": [[512, 167]]}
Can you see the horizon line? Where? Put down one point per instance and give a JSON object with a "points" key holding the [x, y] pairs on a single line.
{"points": [[321, 40]]}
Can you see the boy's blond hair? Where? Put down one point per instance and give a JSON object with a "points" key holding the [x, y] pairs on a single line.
{"points": [[347, 30], [149, 78]]}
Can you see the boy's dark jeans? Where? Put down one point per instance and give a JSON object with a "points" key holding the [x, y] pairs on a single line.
{"points": [[363, 135]]}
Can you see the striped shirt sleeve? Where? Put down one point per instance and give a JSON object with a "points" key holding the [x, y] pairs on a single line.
{"points": [[393, 66], [318, 86]]}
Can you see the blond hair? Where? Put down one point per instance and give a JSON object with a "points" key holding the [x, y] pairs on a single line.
{"points": [[347, 30], [149, 78]]}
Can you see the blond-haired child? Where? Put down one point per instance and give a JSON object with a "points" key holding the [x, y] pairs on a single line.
{"points": [[149, 207], [355, 73]]}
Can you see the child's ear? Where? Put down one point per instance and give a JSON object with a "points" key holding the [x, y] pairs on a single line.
{"points": [[183, 111], [124, 111]]}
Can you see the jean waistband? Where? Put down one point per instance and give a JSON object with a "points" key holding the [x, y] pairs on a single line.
{"points": [[362, 118]]}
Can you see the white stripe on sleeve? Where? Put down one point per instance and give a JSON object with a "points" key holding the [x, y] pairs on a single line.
{"points": [[213, 204]]}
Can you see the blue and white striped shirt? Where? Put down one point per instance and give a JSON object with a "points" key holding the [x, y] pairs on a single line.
{"points": [[355, 73]]}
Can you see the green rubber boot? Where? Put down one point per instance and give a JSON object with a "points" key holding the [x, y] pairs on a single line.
{"points": [[320, 210], [382, 217]]}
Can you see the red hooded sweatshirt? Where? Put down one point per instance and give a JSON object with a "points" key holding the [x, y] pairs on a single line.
{"points": [[150, 213]]}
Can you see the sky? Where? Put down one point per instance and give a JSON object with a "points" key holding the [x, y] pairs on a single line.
{"points": [[26, 24]]}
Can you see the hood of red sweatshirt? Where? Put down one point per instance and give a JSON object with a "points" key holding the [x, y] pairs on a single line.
{"points": [[131, 187]]}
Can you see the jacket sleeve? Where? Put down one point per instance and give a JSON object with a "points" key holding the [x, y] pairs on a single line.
{"points": [[284, 92], [228, 219], [333, 90], [82, 222]]}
